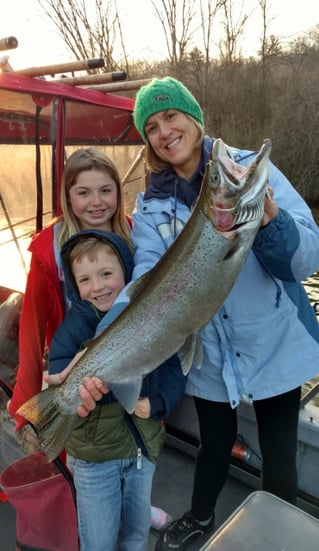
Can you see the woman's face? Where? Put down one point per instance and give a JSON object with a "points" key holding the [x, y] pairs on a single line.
{"points": [[174, 138], [93, 199]]}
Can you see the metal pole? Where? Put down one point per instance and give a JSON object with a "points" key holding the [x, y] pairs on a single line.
{"points": [[6, 213]]}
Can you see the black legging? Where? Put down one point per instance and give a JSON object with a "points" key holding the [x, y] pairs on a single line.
{"points": [[277, 426]]}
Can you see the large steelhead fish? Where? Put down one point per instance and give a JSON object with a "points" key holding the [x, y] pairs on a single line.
{"points": [[170, 304]]}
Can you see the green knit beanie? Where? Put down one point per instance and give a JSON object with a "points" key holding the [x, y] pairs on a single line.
{"points": [[160, 95]]}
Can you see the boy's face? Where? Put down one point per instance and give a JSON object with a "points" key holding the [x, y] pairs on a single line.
{"points": [[99, 280]]}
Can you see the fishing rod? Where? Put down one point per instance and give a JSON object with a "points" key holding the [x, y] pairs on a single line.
{"points": [[10, 226]]}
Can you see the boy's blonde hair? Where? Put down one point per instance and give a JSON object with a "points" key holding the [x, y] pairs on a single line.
{"points": [[89, 242], [89, 247], [79, 161]]}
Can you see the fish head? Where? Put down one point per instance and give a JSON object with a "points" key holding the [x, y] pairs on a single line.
{"points": [[236, 192]]}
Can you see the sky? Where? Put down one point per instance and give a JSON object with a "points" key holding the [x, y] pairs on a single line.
{"points": [[40, 43]]}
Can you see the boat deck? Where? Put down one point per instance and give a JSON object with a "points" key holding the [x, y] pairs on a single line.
{"points": [[172, 490]]}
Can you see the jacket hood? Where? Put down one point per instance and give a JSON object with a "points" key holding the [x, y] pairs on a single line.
{"points": [[117, 243]]}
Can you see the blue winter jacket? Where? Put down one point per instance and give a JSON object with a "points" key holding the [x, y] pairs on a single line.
{"points": [[164, 387], [264, 340]]}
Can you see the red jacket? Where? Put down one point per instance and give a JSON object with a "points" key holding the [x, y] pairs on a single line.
{"points": [[42, 312]]}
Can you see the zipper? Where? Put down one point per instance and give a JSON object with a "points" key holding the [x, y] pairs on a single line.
{"points": [[139, 458]]}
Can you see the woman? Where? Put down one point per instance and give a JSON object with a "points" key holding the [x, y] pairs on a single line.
{"points": [[263, 343]]}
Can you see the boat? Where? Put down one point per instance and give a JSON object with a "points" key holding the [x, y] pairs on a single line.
{"points": [[44, 117]]}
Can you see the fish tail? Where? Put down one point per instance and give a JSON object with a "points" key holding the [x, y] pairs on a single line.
{"points": [[53, 428]]}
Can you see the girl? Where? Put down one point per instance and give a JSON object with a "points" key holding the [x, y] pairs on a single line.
{"points": [[91, 197]]}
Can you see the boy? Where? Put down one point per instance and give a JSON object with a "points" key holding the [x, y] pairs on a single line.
{"points": [[114, 452]]}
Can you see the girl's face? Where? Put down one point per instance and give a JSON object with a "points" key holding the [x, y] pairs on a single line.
{"points": [[93, 199], [174, 137], [99, 280]]}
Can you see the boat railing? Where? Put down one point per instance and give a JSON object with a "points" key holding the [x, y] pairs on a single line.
{"points": [[310, 395]]}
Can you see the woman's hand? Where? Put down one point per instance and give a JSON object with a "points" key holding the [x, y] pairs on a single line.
{"points": [[270, 208]]}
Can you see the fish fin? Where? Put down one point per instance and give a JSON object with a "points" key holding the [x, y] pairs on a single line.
{"points": [[191, 353], [127, 393], [186, 353], [199, 353], [52, 427]]}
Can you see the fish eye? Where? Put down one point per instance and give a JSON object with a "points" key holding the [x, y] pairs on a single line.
{"points": [[215, 178]]}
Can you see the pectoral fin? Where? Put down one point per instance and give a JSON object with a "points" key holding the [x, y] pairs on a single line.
{"points": [[127, 393], [191, 353]]}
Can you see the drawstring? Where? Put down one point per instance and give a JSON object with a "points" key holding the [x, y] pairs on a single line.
{"points": [[278, 292]]}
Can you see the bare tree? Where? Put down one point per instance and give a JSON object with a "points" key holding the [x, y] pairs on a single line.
{"points": [[229, 45], [89, 29], [263, 7], [270, 46], [176, 18], [208, 13]]}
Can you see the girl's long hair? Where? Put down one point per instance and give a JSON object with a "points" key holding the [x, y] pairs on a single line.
{"points": [[79, 161]]}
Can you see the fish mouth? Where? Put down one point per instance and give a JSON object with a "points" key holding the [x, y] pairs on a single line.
{"points": [[233, 218], [237, 192]]}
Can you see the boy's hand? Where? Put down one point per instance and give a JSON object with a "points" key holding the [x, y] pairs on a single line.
{"points": [[91, 390], [59, 378], [143, 408]]}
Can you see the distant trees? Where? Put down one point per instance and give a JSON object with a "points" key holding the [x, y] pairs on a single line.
{"points": [[233, 31], [89, 29], [177, 21], [274, 94]]}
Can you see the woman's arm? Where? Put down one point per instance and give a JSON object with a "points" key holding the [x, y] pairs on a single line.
{"points": [[287, 243]]}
